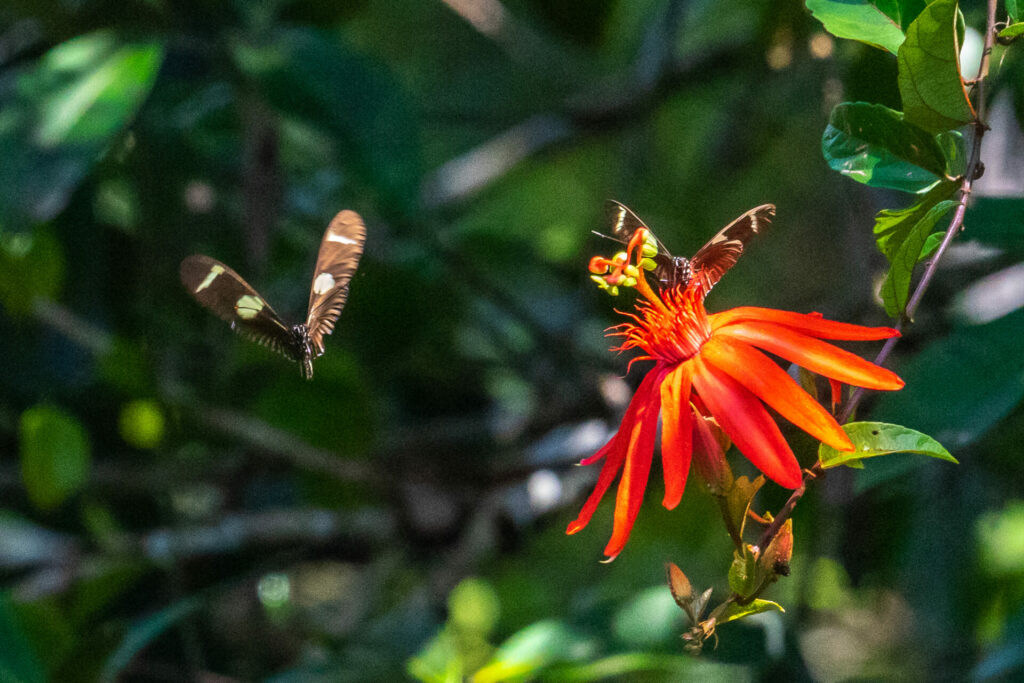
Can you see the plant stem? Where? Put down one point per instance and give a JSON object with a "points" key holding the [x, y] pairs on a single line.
{"points": [[955, 226]]}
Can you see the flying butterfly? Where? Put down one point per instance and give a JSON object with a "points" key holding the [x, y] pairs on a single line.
{"points": [[710, 262], [222, 291]]}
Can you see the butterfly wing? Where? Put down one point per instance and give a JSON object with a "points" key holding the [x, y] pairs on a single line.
{"points": [[225, 294], [723, 250], [623, 222], [340, 250]]}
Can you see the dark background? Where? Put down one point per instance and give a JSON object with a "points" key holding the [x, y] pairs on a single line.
{"points": [[178, 503]]}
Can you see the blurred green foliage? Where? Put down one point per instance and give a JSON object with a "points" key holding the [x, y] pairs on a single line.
{"points": [[179, 503]]}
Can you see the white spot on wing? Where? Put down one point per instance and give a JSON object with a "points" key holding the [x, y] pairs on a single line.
{"points": [[248, 307], [340, 238], [210, 277], [324, 282]]}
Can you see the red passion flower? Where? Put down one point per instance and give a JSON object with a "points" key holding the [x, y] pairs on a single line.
{"points": [[713, 366]]}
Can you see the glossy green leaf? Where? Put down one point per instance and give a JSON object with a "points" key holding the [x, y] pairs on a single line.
{"points": [[31, 267], [143, 632], [872, 439], [55, 455], [734, 611], [19, 662], [931, 87], [1012, 31], [960, 386], [896, 288], [313, 76], [874, 145], [875, 22], [60, 116], [893, 226]]}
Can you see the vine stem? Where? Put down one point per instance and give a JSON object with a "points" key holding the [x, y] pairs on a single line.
{"points": [[955, 226]]}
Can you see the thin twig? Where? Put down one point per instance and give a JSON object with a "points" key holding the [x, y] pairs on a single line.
{"points": [[955, 226]]}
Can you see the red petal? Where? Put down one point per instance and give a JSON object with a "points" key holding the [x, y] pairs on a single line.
{"points": [[615, 449], [771, 384], [817, 356], [809, 324], [639, 453], [742, 416], [676, 433]]}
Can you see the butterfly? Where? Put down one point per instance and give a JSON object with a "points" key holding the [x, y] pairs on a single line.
{"points": [[710, 262], [222, 291]]}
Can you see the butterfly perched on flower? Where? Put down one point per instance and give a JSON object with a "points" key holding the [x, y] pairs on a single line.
{"points": [[222, 291], [710, 262]]}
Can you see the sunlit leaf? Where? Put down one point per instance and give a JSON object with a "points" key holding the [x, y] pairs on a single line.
{"points": [[530, 650], [734, 611], [896, 288], [1012, 31], [143, 632], [875, 22], [54, 453], [931, 87], [892, 226], [874, 145], [61, 115], [873, 439], [438, 662]]}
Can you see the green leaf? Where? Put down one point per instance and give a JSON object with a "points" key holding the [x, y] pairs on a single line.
{"points": [[739, 498], [872, 439], [931, 245], [873, 22], [19, 662], [931, 87], [54, 455], [143, 632], [893, 226], [896, 288], [734, 611], [60, 116], [31, 267], [439, 661], [744, 573], [872, 144], [959, 387], [1012, 31], [1013, 10], [311, 75], [530, 650]]}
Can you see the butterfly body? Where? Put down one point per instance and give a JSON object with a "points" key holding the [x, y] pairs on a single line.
{"points": [[710, 262], [223, 292]]}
